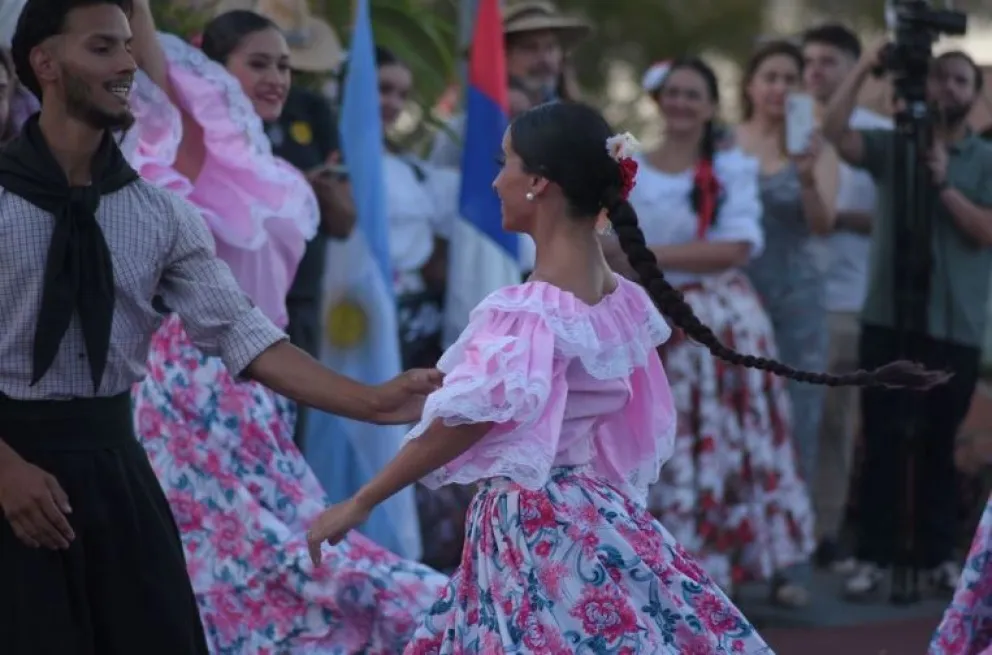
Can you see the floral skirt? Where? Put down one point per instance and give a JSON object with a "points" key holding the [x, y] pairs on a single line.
{"points": [[731, 492], [577, 567], [966, 628], [243, 497]]}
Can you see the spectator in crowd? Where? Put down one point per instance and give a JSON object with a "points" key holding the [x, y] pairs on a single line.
{"points": [[306, 135], [798, 194], [949, 297], [699, 208], [830, 53], [538, 38]]}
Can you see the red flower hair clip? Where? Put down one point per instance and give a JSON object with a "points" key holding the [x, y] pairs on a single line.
{"points": [[622, 148]]}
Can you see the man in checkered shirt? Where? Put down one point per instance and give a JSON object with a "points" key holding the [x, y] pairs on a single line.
{"points": [[90, 557]]}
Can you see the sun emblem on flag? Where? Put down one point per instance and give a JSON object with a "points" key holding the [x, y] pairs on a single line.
{"points": [[347, 324], [301, 132]]}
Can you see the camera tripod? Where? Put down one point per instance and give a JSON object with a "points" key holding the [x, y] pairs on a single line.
{"points": [[912, 206]]}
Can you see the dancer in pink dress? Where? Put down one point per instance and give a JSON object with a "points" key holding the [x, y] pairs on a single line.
{"points": [[556, 402], [223, 448]]}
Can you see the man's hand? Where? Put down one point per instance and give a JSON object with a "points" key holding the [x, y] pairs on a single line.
{"points": [[35, 505], [937, 161], [401, 400], [806, 161], [873, 57]]}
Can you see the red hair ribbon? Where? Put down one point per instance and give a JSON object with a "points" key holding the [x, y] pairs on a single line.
{"points": [[705, 180]]}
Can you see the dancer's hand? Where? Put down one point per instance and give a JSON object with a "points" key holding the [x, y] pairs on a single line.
{"points": [[35, 505], [333, 524], [401, 400]]}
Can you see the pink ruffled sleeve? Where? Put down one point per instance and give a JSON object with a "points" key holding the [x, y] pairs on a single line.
{"points": [[631, 446], [261, 210], [503, 369]]}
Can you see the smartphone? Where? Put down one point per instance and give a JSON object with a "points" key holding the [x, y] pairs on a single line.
{"points": [[800, 122]]}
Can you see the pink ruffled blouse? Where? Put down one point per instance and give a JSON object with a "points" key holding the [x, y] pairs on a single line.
{"points": [[567, 384], [260, 209]]}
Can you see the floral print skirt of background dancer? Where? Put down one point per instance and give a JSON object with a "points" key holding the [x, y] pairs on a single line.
{"points": [[731, 493], [243, 497]]}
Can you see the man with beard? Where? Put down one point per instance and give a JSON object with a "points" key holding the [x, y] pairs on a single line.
{"points": [[954, 287], [830, 53], [90, 556], [537, 39]]}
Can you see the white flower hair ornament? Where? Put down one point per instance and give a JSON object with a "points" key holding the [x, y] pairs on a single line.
{"points": [[622, 148], [655, 76]]}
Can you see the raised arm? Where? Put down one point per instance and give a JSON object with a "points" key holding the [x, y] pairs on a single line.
{"points": [[147, 52], [221, 320], [837, 117]]}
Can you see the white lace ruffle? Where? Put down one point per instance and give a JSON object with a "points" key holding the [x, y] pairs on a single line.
{"points": [[610, 342], [464, 402], [303, 208]]}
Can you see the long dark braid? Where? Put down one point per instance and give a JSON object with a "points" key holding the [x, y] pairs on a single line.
{"points": [[672, 304], [570, 145]]}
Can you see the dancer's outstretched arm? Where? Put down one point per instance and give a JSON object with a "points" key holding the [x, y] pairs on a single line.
{"points": [[439, 445]]}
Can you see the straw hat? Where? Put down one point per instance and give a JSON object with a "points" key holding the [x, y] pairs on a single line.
{"points": [[313, 45], [542, 16]]}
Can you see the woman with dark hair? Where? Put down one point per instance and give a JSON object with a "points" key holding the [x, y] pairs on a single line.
{"points": [[223, 447], [555, 401], [798, 194], [730, 492]]}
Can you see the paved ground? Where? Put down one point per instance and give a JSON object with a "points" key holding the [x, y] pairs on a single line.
{"points": [[905, 637], [832, 626]]}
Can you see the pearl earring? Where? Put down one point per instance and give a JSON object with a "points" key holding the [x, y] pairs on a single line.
{"points": [[530, 195]]}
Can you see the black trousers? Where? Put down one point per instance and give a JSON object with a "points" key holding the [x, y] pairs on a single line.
{"points": [[121, 588], [911, 433]]}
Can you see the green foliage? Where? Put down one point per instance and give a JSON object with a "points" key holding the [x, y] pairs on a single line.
{"points": [[421, 32], [643, 31], [182, 19]]}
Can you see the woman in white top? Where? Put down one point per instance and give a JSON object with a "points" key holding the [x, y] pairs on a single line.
{"points": [[730, 493]]}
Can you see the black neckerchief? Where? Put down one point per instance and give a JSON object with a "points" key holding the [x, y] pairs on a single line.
{"points": [[79, 272]]}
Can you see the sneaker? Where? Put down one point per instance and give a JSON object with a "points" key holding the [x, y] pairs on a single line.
{"points": [[864, 581], [846, 567], [945, 577]]}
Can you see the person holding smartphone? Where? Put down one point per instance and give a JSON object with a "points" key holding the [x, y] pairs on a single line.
{"points": [[798, 192]]}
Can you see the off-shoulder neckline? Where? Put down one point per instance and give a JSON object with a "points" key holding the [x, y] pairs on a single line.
{"points": [[606, 298]]}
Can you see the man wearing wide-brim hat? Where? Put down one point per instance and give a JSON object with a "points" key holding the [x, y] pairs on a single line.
{"points": [[306, 135], [538, 38]]}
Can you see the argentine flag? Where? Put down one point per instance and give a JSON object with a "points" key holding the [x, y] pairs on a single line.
{"points": [[360, 329]]}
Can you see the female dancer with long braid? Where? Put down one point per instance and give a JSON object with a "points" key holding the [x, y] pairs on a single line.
{"points": [[556, 402], [223, 448]]}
